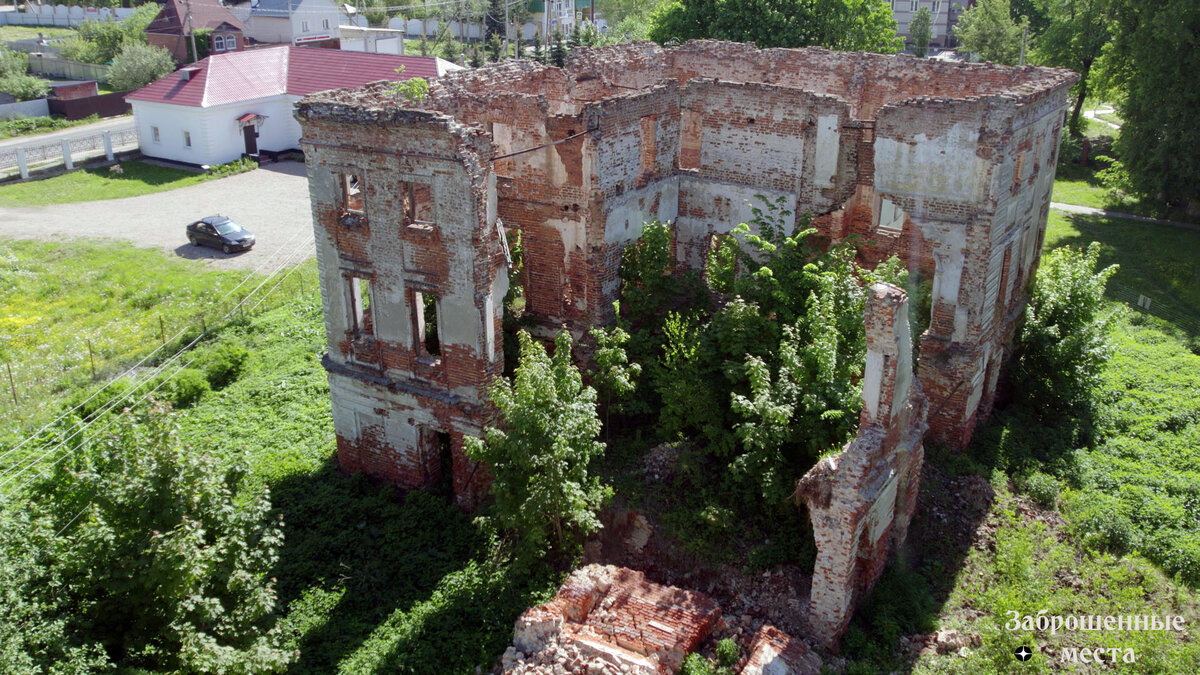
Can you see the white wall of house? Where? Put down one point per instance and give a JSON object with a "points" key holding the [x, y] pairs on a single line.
{"points": [[314, 19], [216, 136]]}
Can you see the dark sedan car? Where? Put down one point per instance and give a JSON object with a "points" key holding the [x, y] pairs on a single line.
{"points": [[220, 232]]}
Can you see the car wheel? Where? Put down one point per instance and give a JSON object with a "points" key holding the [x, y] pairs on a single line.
{"points": [[227, 248], [192, 240]]}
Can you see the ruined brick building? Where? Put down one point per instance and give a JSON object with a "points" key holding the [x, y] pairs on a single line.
{"points": [[948, 166]]}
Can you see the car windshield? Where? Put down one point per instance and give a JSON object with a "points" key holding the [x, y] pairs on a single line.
{"points": [[227, 227]]}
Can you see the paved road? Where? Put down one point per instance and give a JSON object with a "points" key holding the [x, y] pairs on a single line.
{"points": [[271, 201], [113, 124]]}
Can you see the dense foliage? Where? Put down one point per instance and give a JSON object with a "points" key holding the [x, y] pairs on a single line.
{"points": [[988, 30], [101, 41], [157, 556], [1074, 36], [138, 65], [539, 458], [866, 25], [1155, 51], [920, 31]]}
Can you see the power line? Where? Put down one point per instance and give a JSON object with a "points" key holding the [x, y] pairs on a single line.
{"points": [[10, 475], [174, 337]]}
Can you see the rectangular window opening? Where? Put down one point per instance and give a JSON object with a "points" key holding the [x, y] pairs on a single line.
{"points": [[425, 324], [914, 5], [351, 189], [304, 26], [937, 7], [187, 139], [154, 133], [325, 24], [418, 203], [361, 322]]}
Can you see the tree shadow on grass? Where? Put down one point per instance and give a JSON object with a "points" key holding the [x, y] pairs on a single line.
{"points": [[376, 581]]}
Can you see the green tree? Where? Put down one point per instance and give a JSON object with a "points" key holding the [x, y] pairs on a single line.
{"points": [[138, 65], [101, 41], [1074, 38], [1062, 347], [24, 87], [614, 376], [539, 459], [1156, 55], [166, 561], [837, 24], [920, 31], [987, 29], [12, 62], [558, 51]]}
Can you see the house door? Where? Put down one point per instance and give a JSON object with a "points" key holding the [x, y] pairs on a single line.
{"points": [[250, 134]]}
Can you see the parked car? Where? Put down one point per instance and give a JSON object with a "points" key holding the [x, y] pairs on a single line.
{"points": [[220, 232]]}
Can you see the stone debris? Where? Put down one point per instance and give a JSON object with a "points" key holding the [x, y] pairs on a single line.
{"points": [[610, 620]]}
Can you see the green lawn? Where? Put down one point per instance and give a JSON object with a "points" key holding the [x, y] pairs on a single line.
{"points": [[28, 126], [1157, 261], [57, 298], [8, 33], [368, 580], [139, 178]]}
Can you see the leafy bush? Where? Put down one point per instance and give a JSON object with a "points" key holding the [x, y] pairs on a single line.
{"points": [[163, 561], [138, 65], [24, 87], [1100, 521], [728, 653], [1178, 552], [539, 460], [12, 62], [695, 664], [223, 364], [102, 41], [233, 168], [1042, 488], [1062, 347], [188, 387]]}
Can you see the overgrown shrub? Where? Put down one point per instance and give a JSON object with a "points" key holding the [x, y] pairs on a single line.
{"points": [[24, 87], [1062, 346], [1100, 521], [12, 62], [138, 65], [162, 559], [223, 363], [1042, 488], [188, 387], [539, 459]]}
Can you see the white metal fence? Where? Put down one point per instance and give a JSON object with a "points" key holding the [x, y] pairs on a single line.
{"points": [[67, 151]]}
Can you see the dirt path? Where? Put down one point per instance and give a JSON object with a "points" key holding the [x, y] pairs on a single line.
{"points": [[272, 202]]}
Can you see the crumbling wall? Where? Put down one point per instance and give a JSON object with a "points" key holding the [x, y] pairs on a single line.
{"points": [[861, 500]]}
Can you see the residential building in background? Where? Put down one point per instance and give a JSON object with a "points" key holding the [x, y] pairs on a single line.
{"points": [[172, 29]]}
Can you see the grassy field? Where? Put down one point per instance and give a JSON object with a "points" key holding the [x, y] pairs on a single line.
{"points": [[139, 178], [31, 32], [64, 307]]}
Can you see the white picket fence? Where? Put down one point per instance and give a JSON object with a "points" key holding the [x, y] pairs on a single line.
{"points": [[471, 31], [61, 15]]}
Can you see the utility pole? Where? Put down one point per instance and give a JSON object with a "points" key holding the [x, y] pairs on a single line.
{"points": [[191, 32], [1024, 39]]}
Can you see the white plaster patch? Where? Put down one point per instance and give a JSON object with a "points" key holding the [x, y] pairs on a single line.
{"points": [[872, 382], [825, 164], [945, 166]]}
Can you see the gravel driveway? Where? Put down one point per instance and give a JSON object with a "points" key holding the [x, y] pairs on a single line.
{"points": [[272, 202]]}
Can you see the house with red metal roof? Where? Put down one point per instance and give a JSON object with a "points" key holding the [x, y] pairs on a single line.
{"points": [[240, 103], [178, 20]]}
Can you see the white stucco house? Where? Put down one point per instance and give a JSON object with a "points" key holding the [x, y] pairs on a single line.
{"points": [[291, 21], [227, 105]]}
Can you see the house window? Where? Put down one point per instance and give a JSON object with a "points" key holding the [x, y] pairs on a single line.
{"points": [[424, 308], [219, 43], [351, 194], [187, 139], [304, 26], [937, 7], [914, 5], [361, 323], [154, 134], [325, 24]]}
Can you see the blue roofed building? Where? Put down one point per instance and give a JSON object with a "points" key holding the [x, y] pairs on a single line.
{"points": [[297, 22]]}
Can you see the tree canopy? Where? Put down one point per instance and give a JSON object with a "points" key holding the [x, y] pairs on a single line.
{"points": [[1074, 37], [920, 31], [1155, 56], [987, 29], [866, 25]]}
